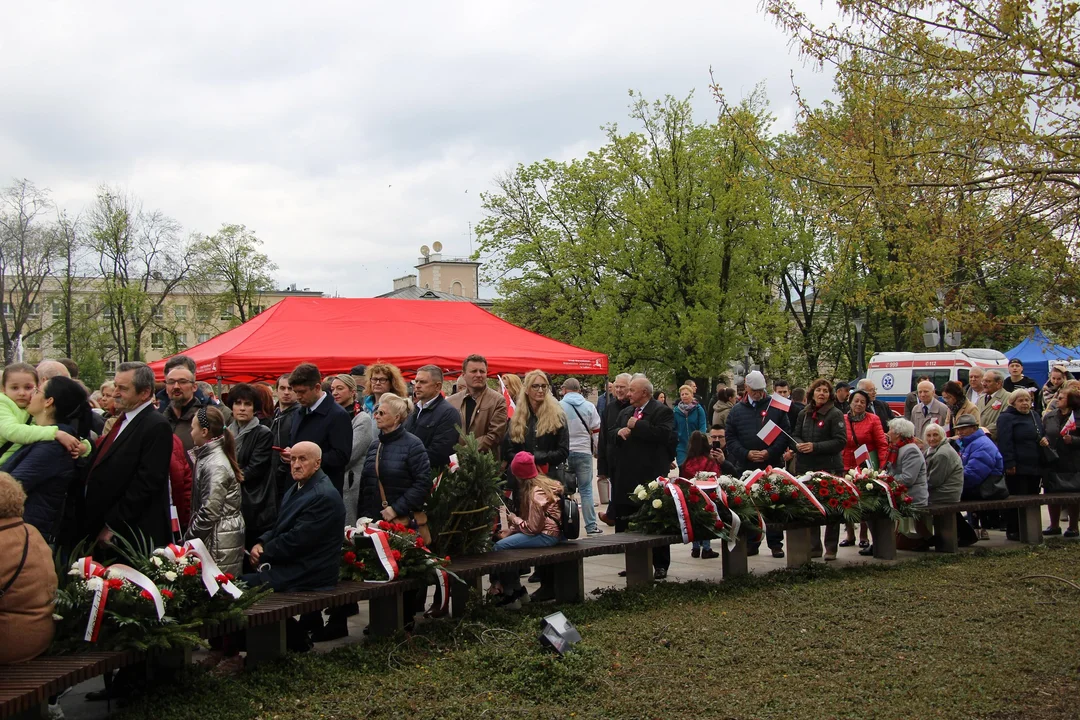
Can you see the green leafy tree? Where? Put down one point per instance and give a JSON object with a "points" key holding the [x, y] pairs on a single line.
{"points": [[231, 259]]}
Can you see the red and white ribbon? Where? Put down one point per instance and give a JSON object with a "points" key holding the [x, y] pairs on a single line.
{"points": [[93, 573], [682, 511], [135, 577], [888, 492], [755, 477], [807, 492], [443, 579], [852, 486], [736, 522], [381, 540], [210, 571]]}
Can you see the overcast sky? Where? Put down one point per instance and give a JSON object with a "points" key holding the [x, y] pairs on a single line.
{"points": [[348, 134]]}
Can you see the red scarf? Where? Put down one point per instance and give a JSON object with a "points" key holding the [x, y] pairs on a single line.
{"points": [[894, 451]]}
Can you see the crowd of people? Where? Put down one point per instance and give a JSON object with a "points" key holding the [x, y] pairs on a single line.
{"points": [[267, 476]]}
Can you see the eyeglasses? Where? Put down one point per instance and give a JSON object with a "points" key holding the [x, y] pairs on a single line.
{"points": [[380, 413], [380, 380], [171, 383], [538, 387]]}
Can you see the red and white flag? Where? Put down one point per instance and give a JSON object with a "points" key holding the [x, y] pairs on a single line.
{"points": [[769, 432], [510, 406], [862, 454], [780, 403], [1069, 426]]}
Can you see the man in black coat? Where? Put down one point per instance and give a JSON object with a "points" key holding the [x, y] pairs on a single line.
{"points": [[434, 420], [645, 443], [281, 428], [605, 449], [749, 452], [321, 421], [127, 486]]}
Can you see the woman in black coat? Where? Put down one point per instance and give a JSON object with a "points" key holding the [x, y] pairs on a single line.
{"points": [[1019, 434], [46, 469], [538, 427], [254, 451], [820, 436], [1067, 469], [398, 461]]}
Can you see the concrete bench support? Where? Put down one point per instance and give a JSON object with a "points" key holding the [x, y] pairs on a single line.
{"points": [[570, 581], [800, 542], [946, 530], [265, 642], [639, 569], [734, 561], [1031, 525], [460, 593], [387, 614], [884, 531]]}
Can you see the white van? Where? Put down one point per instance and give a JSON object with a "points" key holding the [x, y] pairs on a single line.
{"points": [[895, 374]]}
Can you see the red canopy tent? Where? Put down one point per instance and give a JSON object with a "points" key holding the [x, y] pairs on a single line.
{"points": [[338, 333]]}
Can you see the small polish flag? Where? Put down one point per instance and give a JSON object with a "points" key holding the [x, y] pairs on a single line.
{"points": [[862, 454], [453, 463], [780, 403], [510, 406], [769, 432], [1069, 426]]}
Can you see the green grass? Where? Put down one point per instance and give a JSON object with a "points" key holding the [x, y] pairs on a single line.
{"points": [[950, 637]]}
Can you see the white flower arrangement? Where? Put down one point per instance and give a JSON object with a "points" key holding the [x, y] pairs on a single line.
{"points": [[170, 575], [653, 485], [639, 489], [642, 495], [94, 584], [657, 503]]}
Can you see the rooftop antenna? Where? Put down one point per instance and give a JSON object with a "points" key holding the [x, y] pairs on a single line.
{"points": [[469, 233]]}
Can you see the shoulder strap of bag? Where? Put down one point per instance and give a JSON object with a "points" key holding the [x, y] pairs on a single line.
{"points": [[592, 443], [22, 562], [378, 476], [854, 435]]}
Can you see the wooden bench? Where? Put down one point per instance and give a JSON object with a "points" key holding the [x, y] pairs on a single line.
{"points": [[25, 688], [568, 561], [1030, 507]]}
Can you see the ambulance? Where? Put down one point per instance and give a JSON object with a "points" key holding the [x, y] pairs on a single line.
{"points": [[895, 374]]}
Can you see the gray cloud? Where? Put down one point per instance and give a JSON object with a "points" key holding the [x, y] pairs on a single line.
{"points": [[344, 134]]}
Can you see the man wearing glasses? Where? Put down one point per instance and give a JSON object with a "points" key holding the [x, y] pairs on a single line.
{"points": [[182, 406]]}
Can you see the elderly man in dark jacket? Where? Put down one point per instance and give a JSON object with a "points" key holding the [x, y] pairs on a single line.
{"points": [[645, 442], [434, 421], [605, 450], [749, 452]]}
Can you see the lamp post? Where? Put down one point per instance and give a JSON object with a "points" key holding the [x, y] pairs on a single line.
{"points": [[858, 320]]}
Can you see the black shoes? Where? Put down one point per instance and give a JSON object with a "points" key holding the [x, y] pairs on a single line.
{"points": [[695, 553], [334, 629], [709, 554], [777, 553], [867, 551], [544, 594], [659, 574]]}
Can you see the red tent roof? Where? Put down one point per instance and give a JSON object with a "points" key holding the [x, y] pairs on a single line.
{"points": [[338, 333]]}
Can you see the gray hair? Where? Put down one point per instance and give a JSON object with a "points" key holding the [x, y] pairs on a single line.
{"points": [[866, 384], [902, 427], [206, 387], [571, 385], [143, 377], [624, 376], [48, 368], [648, 383], [434, 371], [931, 427], [998, 375]]}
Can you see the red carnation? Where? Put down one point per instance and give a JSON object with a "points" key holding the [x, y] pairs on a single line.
{"points": [[768, 487], [738, 500], [833, 502], [823, 492], [191, 570], [419, 541], [358, 565], [719, 524], [114, 583], [794, 493], [395, 554], [383, 525], [447, 558], [907, 498], [774, 497], [824, 482], [350, 557], [221, 578], [146, 595], [167, 593]]}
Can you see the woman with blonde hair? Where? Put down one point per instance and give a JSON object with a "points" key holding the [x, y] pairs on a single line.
{"points": [[513, 385], [383, 378], [539, 425]]}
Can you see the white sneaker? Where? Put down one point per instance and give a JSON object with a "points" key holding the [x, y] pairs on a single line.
{"points": [[55, 712]]}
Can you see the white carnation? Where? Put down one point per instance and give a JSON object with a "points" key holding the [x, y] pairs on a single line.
{"points": [[363, 522], [75, 570], [642, 495], [170, 575], [869, 486], [94, 583], [113, 574], [653, 485], [156, 560], [639, 489], [657, 504]]}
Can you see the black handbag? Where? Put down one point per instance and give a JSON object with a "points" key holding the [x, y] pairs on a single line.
{"points": [[992, 488], [1054, 482], [1047, 455], [567, 477]]}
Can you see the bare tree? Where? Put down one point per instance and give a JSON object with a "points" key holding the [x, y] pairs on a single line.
{"points": [[142, 259], [27, 249]]}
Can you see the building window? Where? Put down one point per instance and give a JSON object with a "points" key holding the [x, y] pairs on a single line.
{"points": [[226, 312], [32, 342], [35, 310], [107, 312], [180, 312], [256, 309], [7, 309], [159, 313], [181, 340], [157, 340], [202, 314], [203, 337], [57, 310], [455, 289]]}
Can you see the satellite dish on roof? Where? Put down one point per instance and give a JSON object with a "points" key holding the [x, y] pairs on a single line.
{"points": [[436, 246], [424, 250]]}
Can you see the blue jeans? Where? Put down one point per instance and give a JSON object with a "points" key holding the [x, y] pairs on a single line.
{"points": [[704, 544], [581, 464], [511, 579]]}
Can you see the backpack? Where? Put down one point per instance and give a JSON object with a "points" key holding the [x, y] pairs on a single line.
{"points": [[569, 518]]}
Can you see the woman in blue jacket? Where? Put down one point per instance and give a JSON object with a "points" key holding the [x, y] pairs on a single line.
{"points": [[46, 469], [689, 417]]}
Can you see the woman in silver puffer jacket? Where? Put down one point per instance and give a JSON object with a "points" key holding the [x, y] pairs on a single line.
{"points": [[215, 491]]}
